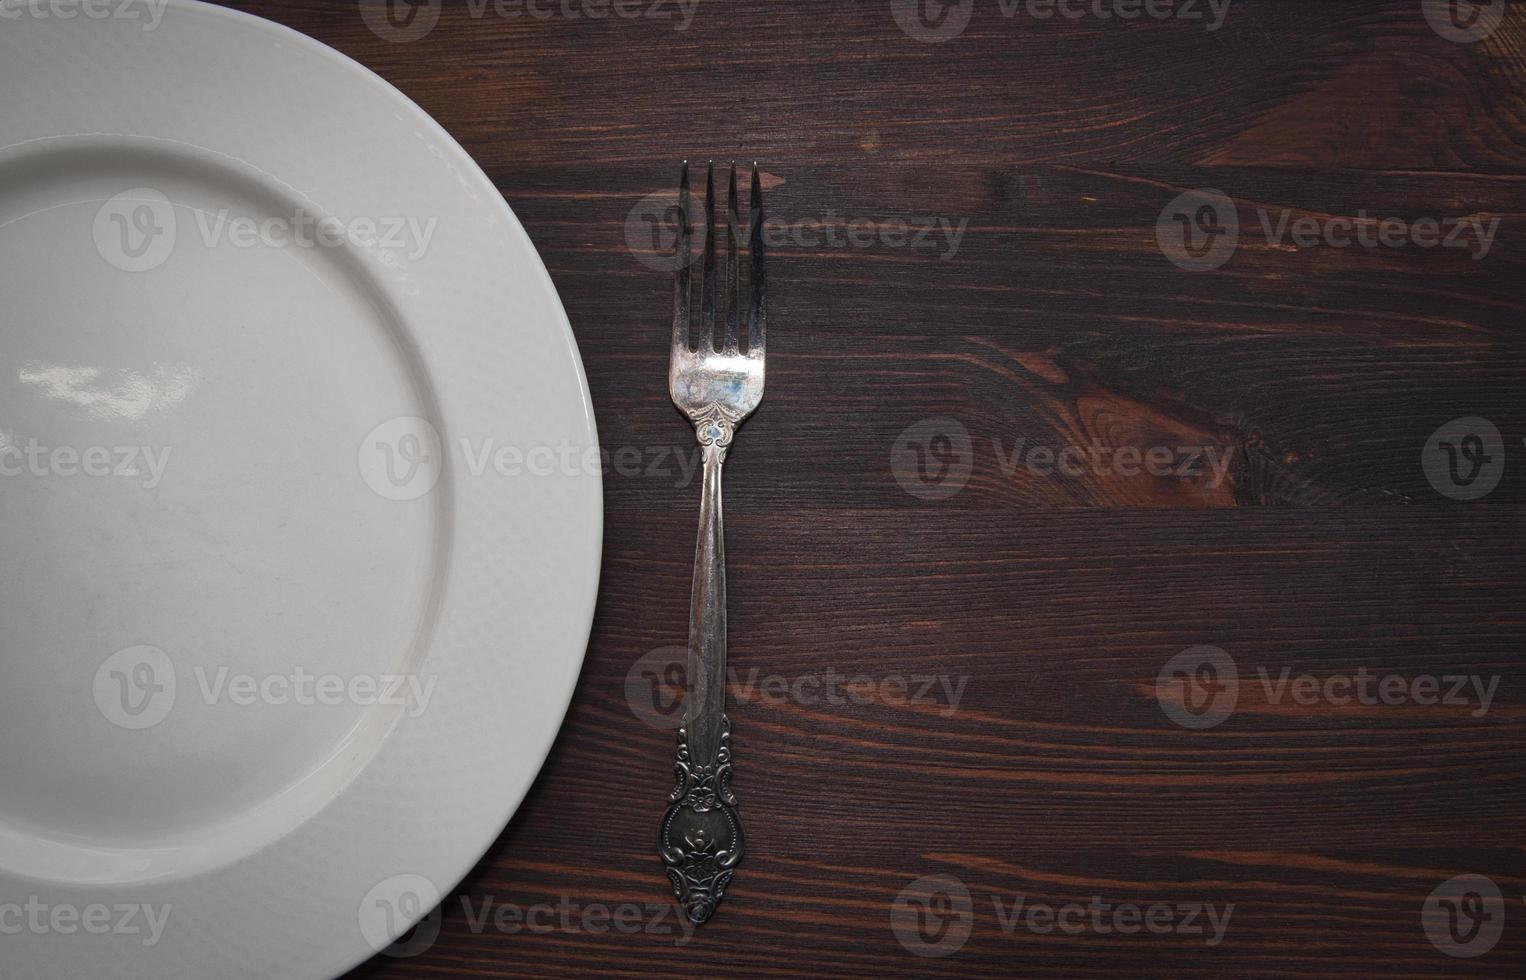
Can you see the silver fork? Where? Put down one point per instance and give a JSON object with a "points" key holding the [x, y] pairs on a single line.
{"points": [[700, 838]]}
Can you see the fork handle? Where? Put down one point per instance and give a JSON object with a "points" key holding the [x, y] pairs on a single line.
{"points": [[701, 838], [706, 702]]}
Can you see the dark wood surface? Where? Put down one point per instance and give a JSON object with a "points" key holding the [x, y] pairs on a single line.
{"points": [[1056, 600]]}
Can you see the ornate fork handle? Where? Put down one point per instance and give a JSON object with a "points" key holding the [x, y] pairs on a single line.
{"points": [[700, 837], [716, 384]]}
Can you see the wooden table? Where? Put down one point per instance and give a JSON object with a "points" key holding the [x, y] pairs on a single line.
{"points": [[1018, 680]]}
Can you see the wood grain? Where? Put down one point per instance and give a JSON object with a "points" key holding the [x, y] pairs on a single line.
{"points": [[1055, 600]]}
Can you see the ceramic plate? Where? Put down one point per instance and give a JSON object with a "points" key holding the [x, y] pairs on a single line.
{"points": [[301, 501]]}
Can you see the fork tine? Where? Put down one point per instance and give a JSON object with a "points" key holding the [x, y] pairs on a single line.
{"points": [[682, 287], [733, 262], [707, 289], [758, 311]]}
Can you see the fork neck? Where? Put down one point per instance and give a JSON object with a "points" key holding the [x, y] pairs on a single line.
{"points": [[715, 432]]}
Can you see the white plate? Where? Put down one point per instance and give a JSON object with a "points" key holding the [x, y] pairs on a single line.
{"points": [[199, 713]]}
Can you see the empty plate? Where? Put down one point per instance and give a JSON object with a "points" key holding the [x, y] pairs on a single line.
{"points": [[301, 502]]}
